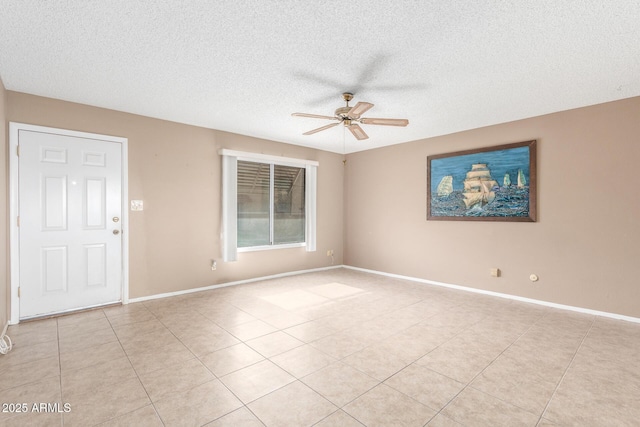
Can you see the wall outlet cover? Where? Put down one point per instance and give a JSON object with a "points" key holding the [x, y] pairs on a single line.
{"points": [[137, 205]]}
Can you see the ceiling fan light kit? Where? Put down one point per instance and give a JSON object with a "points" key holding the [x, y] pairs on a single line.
{"points": [[350, 117]]}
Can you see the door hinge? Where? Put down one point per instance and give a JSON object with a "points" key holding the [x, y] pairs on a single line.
{"points": [[19, 291], [18, 220], [18, 150]]}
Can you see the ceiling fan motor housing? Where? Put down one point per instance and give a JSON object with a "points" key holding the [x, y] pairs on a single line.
{"points": [[342, 112]]}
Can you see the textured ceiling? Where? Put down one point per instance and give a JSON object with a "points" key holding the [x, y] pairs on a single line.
{"points": [[244, 66]]}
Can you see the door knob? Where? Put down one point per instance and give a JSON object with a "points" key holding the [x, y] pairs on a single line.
{"points": [[116, 232], [115, 219]]}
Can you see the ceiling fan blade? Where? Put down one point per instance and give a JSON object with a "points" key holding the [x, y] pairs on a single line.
{"points": [[313, 116], [358, 132], [384, 122], [359, 109], [311, 132]]}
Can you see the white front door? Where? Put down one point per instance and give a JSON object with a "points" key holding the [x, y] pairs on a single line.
{"points": [[70, 217]]}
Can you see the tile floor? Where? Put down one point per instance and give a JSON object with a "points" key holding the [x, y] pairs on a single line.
{"points": [[333, 348]]}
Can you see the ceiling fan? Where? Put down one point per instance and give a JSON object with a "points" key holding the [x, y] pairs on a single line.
{"points": [[350, 117]]}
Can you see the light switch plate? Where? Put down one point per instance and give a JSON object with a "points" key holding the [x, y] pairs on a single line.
{"points": [[137, 205]]}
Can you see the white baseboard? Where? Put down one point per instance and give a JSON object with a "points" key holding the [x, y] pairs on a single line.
{"points": [[235, 283], [501, 295], [396, 276]]}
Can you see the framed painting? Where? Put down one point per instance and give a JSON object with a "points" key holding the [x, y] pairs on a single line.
{"points": [[486, 184]]}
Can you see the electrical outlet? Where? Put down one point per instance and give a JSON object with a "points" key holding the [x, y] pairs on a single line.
{"points": [[214, 264], [495, 272], [330, 252]]}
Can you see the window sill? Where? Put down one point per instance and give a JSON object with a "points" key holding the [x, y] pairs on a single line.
{"points": [[272, 247]]}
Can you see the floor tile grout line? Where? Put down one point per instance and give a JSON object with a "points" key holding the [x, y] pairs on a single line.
{"points": [[548, 312], [468, 385], [584, 337], [380, 382], [248, 409], [62, 398], [135, 370], [350, 401], [101, 310], [400, 391], [269, 358], [164, 324], [217, 378], [335, 412], [378, 341]]}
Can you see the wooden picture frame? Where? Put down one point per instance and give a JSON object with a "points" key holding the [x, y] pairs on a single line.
{"points": [[496, 183]]}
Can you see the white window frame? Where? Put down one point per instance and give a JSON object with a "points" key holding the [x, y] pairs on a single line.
{"points": [[229, 235]]}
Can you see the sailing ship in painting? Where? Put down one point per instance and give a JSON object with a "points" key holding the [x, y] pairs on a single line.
{"points": [[522, 181], [445, 187], [479, 186]]}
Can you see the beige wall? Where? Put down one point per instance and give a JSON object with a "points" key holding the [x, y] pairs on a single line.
{"points": [[175, 170], [584, 247], [4, 259]]}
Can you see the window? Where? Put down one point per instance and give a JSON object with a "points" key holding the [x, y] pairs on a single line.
{"points": [[268, 202], [271, 204]]}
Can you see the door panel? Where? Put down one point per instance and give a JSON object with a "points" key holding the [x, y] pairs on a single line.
{"points": [[54, 203], [95, 264], [70, 203], [94, 204], [54, 269]]}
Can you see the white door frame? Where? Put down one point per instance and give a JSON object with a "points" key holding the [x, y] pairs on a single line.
{"points": [[14, 130]]}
